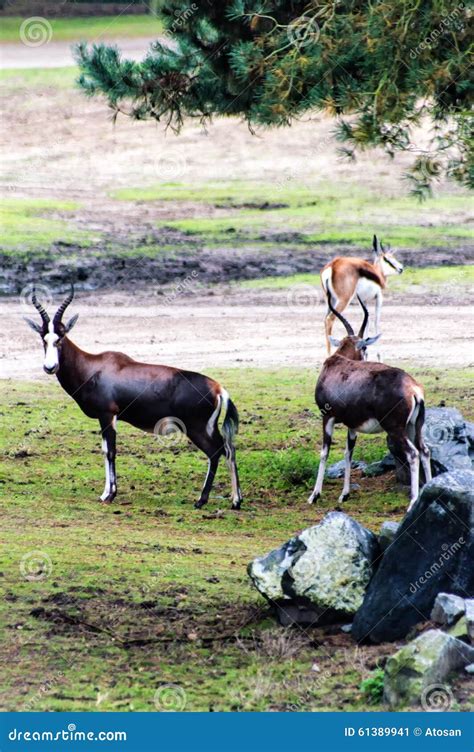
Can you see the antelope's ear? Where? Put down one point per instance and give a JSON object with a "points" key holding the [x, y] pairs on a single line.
{"points": [[366, 342], [71, 323], [377, 246], [334, 342], [36, 327]]}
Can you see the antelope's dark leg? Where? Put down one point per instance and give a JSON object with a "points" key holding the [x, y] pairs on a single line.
{"points": [[108, 425], [328, 427], [214, 449], [406, 449], [234, 475], [420, 443], [350, 444]]}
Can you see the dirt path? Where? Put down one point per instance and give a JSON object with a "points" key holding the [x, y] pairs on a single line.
{"points": [[219, 330]]}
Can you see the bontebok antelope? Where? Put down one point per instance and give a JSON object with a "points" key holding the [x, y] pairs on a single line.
{"points": [[369, 397], [347, 276], [111, 386]]}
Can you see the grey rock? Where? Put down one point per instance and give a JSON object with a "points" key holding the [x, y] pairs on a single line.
{"points": [[320, 575], [432, 553], [446, 434], [347, 628], [470, 618], [414, 670], [387, 534], [447, 609], [337, 469], [385, 465], [469, 669]]}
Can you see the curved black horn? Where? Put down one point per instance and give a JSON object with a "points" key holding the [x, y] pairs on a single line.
{"points": [[39, 307], [59, 313], [366, 318], [341, 318]]}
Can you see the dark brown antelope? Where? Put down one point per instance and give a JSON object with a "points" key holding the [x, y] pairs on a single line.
{"points": [[112, 386], [348, 276], [369, 397]]}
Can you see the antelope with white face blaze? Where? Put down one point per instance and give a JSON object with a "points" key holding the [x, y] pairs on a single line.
{"points": [[369, 397], [348, 276], [111, 386]]}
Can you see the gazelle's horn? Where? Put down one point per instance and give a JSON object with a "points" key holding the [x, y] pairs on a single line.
{"points": [[341, 318], [39, 307], [366, 318], [59, 313]]}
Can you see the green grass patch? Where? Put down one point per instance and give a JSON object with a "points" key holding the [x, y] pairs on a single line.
{"points": [[432, 278], [125, 598], [95, 29], [323, 213], [26, 224]]}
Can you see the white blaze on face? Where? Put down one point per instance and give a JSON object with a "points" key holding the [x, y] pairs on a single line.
{"points": [[51, 361], [394, 267]]}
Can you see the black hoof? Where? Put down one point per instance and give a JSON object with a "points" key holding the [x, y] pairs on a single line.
{"points": [[199, 504], [236, 507]]}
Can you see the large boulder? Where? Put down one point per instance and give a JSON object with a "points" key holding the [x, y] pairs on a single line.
{"points": [[448, 438], [432, 552], [321, 575], [414, 675]]}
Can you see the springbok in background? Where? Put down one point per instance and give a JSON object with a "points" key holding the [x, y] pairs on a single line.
{"points": [[350, 275], [112, 386], [369, 397]]}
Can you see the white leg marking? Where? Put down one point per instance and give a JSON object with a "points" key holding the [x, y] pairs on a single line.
{"points": [[222, 399], [322, 464], [107, 471], [414, 462], [110, 479], [378, 313]]}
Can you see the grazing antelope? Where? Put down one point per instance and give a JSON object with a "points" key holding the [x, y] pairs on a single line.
{"points": [[369, 397], [112, 386], [350, 275]]}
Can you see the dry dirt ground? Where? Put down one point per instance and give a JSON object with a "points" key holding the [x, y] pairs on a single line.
{"points": [[230, 328], [62, 146]]}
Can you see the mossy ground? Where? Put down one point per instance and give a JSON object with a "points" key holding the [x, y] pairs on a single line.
{"points": [[146, 592]]}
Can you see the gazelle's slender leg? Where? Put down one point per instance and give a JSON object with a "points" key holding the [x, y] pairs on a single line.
{"points": [[234, 475], [378, 312], [328, 325], [328, 427], [413, 457], [350, 444], [211, 474], [423, 449], [109, 433]]}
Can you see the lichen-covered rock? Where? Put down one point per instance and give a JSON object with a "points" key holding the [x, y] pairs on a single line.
{"points": [[459, 629], [447, 609], [387, 534], [337, 469], [320, 575], [432, 553], [423, 663], [469, 604]]}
